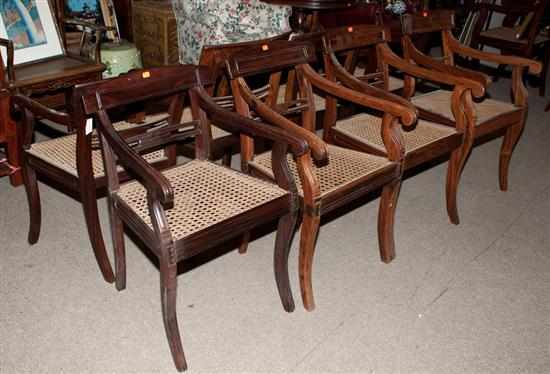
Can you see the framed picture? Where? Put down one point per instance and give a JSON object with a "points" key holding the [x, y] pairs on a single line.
{"points": [[86, 10], [109, 19], [31, 25]]}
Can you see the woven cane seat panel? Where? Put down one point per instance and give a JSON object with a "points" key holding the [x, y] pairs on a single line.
{"points": [[61, 152], [345, 166], [318, 100], [509, 34], [217, 133], [368, 129], [204, 194], [440, 102]]}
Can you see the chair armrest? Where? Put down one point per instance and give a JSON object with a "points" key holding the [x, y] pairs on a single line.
{"points": [[407, 113], [380, 99], [390, 58], [318, 148], [40, 110], [156, 184], [461, 49], [426, 61], [239, 124]]}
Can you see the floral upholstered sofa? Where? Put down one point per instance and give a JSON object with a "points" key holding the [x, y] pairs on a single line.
{"points": [[214, 22]]}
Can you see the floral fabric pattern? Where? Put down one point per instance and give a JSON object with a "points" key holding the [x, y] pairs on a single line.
{"points": [[212, 22]]}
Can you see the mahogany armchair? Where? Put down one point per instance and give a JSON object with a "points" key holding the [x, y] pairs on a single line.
{"points": [[190, 208], [328, 176], [426, 141], [72, 163], [491, 118]]}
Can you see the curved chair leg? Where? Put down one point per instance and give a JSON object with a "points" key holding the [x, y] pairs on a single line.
{"points": [[117, 231], [285, 232], [511, 138], [168, 292], [453, 176], [243, 247], [89, 205], [33, 198], [308, 237], [86, 184], [454, 171], [386, 218]]}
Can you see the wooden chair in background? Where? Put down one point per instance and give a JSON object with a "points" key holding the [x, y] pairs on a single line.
{"points": [[188, 209], [329, 176], [492, 118], [519, 34]]}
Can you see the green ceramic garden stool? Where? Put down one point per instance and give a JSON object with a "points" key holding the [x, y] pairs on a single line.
{"points": [[119, 57]]}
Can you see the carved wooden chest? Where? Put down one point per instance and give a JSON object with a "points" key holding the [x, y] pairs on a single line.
{"points": [[155, 33]]}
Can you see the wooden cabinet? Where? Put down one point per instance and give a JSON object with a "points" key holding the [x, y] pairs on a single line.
{"points": [[155, 32]]}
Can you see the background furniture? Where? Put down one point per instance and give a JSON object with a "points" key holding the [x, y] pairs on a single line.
{"points": [[49, 80], [305, 14], [519, 34], [155, 32], [119, 57], [189, 208]]}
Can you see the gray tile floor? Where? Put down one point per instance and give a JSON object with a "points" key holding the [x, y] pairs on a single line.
{"points": [[472, 298]]}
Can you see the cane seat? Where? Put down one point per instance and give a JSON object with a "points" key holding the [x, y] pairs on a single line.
{"points": [[438, 102], [368, 128], [344, 167], [205, 194]]}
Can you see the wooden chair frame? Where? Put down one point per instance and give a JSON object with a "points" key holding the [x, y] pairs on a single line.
{"points": [[511, 123], [102, 96], [275, 57], [349, 39], [83, 186]]}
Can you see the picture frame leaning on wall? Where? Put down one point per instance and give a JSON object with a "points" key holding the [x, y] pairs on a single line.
{"points": [[109, 19], [32, 27]]}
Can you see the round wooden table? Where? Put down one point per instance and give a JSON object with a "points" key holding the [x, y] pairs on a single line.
{"points": [[303, 7]]}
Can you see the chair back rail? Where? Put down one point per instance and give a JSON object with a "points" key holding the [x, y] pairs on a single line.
{"points": [[271, 57], [145, 84], [355, 37]]}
